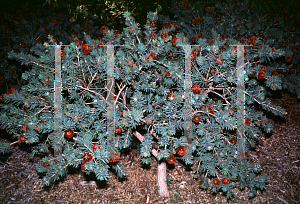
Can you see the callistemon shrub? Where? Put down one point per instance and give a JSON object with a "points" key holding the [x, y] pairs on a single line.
{"points": [[275, 25], [150, 95]]}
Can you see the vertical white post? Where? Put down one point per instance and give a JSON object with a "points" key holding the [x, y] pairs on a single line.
{"points": [[240, 103], [110, 100], [57, 104], [187, 96]]}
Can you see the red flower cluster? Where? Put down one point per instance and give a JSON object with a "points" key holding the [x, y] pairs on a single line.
{"points": [[196, 118], [248, 121], [118, 130], [164, 34], [69, 133], [293, 48], [251, 40], [196, 89], [86, 49], [171, 159], [172, 95], [95, 146], [174, 40], [167, 74], [152, 56], [63, 53], [180, 150], [21, 138], [114, 157], [46, 165], [10, 91], [86, 158]]}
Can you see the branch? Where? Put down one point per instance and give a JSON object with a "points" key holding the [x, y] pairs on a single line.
{"points": [[141, 138]]}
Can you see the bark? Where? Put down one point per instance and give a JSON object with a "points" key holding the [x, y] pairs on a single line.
{"points": [[161, 170], [162, 180]]}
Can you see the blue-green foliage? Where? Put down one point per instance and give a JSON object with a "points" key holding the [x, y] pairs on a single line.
{"points": [[148, 88]]}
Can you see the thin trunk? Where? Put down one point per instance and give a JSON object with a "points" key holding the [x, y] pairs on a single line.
{"points": [[162, 180]]}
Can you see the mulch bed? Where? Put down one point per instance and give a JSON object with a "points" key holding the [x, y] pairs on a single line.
{"points": [[278, 153]]}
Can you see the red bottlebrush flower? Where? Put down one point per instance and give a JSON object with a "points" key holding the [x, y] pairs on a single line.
{"points": [[193, 56], [167, 74], [2, 77], [46, 165], [87, 157], [1, 98], [24, 128], [54, 22], [114, 157], [261, 75], [231, 112], [75, 32], [39, 41], [10, 91], [63, 53], [248, 121], [262, 68], [118, 130], [232, 140], [95, 146], [38, 24], [196, 89], [277, 20], [200, 35], [102, 28], [23, 45], [274, 73], [180, 151], [225, 181], [196, 20], [155, 44], [5, 27], [288, 59], [254, 73], [172, 95], [82, 165], [243, 155], [216, 181], [21, 138], [210, 11], [100, 45], [211, 42], [294, 51], [292, 70], [210, 109], [84, 26], [86, 49], [79, 43], [45, 27], [273, 49], [116, 35], [238, 25], [242, 40], [171, 159], [174, 39], [193, 39], [152, 23], [69, 133], [196, 118]]}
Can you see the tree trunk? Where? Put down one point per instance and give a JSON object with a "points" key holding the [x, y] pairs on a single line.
{"points": [[162, 180], [161, 170]]}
